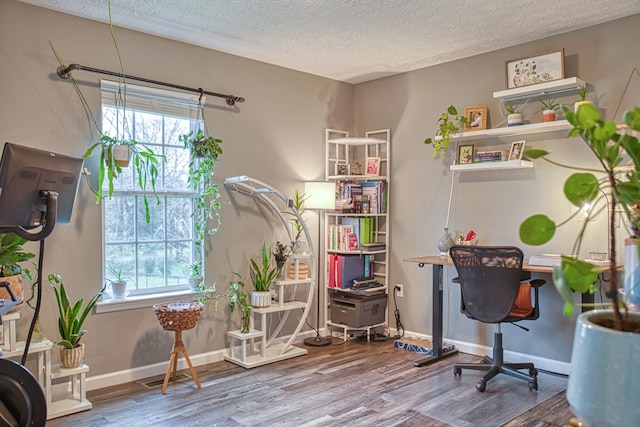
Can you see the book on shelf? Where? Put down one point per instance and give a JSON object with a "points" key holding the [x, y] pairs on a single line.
{"points": [[373, 246], [545, 260], [355, 223], [343, 269]]}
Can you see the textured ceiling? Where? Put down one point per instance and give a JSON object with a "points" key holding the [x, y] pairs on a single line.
{"points": [[351, 40]]}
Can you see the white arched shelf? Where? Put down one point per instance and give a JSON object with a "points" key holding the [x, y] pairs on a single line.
{"points": [[269, 349]]}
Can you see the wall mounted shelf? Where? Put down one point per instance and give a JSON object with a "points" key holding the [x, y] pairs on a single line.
{"points": [[511, 164], [555, 87], [522, 130]]}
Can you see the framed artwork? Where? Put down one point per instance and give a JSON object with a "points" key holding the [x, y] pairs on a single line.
{"points": [[465, 154], [341, 169], [517, 149], [373, 166], [542, 68], [476, 118]]}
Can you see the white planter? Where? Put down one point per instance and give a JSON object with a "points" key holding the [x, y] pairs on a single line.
{"points": [[195, 283], [514, 119], [119, 290], [121, 154], [261, 299], [604, 383], [577, 105]]}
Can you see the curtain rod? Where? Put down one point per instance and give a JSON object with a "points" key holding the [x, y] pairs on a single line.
{"points": [[65, 74]]}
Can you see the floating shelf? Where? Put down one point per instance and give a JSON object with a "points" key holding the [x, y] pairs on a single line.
{"points": [[540, 89], [357, 141], [511, 164], [530, 129]]}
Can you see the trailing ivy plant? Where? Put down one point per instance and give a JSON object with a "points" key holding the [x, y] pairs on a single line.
{"points": [[449, 124]]}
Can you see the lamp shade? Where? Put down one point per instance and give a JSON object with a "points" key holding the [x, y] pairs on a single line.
{"points": [[319, 195]]}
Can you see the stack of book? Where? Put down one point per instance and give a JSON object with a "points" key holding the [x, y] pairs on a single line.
{"points": [[491, 156]]}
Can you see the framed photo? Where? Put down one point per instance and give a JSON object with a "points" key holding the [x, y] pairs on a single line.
{"points": [[476, 118], [517, 148], [465, 154], [542, 68], [341, 169], [373, 166]]}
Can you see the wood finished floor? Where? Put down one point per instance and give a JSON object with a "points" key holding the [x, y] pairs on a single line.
{"points": [[347, 382]]}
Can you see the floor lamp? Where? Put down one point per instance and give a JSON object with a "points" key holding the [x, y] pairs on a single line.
{"points": [[319, 196]]}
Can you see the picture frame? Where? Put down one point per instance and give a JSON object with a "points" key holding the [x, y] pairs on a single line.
{"points": [[532, 70], [476, 118], [341, 169], [465, 154], [373, 166], [517, 148]]}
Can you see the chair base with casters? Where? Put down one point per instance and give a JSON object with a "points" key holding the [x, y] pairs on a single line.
{"points": [[495, 365]]}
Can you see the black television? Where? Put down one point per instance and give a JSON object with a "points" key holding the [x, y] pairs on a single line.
{"points": [[37, 189]]}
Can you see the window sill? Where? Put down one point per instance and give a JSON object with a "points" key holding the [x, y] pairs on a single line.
{"points": [[144, 301]]}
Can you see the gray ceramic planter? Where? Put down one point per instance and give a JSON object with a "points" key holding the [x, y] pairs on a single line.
{"points": [[604, 383]]}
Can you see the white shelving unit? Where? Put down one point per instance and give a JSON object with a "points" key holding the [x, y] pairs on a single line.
{"points": [[67, 402], [261, 346], [341, 149]]}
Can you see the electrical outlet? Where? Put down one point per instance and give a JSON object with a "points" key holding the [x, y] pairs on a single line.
{"points": [[399, 290]]}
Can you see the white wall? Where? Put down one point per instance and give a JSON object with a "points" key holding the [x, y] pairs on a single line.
{"points": [[492, 203], [276, 136]]}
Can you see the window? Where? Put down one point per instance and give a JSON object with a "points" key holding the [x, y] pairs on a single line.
{"points": [[155, 256]]}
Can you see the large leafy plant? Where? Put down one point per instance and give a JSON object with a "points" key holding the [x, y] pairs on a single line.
{"points": [[265, 273], [71, 316], [12, 253], [610, 145], [449, 124]]}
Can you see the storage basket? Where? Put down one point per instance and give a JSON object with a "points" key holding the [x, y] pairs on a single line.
{"points": [[178, 316]]}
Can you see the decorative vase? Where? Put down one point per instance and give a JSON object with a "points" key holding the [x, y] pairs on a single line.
{"points": [[631, 274], [72, 357], [549, 116], [38, 335], [302, 269], [261, 299], [445, 243], [245, 324], [514, 119], [604, 384]]}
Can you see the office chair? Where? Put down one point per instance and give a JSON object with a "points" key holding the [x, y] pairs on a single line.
{"points": [[490, 279]]}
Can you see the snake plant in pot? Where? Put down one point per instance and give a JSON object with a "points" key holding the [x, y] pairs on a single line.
{"points": [[604, 383], [263, 274], [71, 317]]}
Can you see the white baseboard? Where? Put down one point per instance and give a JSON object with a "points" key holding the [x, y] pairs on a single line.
{"points": [[147, 371], [550, 365]]}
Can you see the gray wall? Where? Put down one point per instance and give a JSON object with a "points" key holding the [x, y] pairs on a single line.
{"points": [[276, 136], [492, 203]]}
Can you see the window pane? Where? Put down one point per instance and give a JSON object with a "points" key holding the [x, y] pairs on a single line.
{"points": [[122, 258], [176, 168], [179, 260], [151, 268], [119, 224], [154, 229], [179, 221], [174, 128]]}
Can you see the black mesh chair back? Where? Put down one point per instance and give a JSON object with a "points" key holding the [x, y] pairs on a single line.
{"points": [[490, 278]]}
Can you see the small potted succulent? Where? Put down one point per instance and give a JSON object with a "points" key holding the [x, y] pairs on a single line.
{"points": [[514, 117], [263, 274], [548, 109]]}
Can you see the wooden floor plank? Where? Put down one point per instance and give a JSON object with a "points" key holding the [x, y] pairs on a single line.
{"points": [[353, 384]]}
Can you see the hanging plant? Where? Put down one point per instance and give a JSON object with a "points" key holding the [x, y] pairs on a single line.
{"points": [[449, 124]]}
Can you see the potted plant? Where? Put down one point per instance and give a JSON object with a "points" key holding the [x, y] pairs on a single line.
{"points": [[262, 275], [602, 388], [449, 124], [280, 254], [71, 317], [145, 163], [299, 244], [548, 109], [12, 253], [514, 117], [118, 284], [205, 152], [195, 277], [239, 298], [582, 92]]}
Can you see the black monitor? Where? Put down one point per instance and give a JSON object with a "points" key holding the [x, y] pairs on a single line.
{"points": [[31, 180]]}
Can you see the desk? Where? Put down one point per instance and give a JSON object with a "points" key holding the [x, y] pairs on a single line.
{"points": [[438, 263]]}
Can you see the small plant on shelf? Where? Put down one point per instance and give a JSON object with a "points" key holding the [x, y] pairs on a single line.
{"points": [[449, 124], [549, 104], [265, 273], [240, 299]]}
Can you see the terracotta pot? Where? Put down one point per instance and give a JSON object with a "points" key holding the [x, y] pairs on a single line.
{"points": [[549, 116], [72, 357], [604, 383]]}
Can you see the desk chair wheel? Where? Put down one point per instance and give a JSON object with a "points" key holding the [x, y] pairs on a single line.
{"points": [[481, 386], [457, 371], [533, 385]]}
